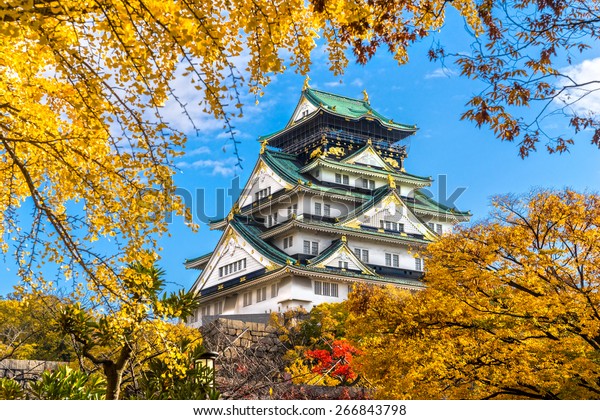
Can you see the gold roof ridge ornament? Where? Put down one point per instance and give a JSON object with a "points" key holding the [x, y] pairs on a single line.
{"points": [[306, 86], [234, 210], [366, 96], [391, 181], [263, 146]]}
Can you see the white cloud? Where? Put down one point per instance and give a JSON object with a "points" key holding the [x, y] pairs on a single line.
{"points": [[585, 98], [439, 73], [357, 82], [202, 150], [222, 167], [334, 84]]}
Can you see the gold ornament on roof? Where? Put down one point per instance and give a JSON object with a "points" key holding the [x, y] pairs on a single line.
{"points": [[263, 146], [366, 96], [306, 80], [391, 181], [316, 153], [344, 240], [337, 151], [392, 162]]}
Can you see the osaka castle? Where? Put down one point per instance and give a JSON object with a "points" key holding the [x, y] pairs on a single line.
{"points": [[328, 205]]}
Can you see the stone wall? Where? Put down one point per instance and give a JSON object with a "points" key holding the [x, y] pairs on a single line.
{"points": [[250, 360], [230, 338], [26, 370]]}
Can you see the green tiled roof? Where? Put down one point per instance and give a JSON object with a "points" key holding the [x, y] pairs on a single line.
{"points": [[288, 168], [350, 108], [425, 203], [317, 224], [252, 234], [379, 194], [327, 252], [193, 260], [356, 168], [348, 273]]}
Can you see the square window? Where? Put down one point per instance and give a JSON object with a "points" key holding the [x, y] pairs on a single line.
{"points": [[318, 288], [418, 264], [338, 178]]}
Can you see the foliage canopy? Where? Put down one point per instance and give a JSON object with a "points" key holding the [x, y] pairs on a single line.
{"points": [[510, 309]]}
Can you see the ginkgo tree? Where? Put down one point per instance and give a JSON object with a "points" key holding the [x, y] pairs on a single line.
{"points": [[510, 309], [87, 155]]}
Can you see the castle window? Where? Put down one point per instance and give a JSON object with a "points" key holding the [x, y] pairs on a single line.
{"points": [[288, 242], [342, 179], [292, 210], [392, 260], [362, 254], [261, 294], [419, 264], [315, 248], [438, 229], [327, 210], [262, 193], [317, 209], [218, 307], [274, 290], [233, 267], [343, 264], [326, 289], [368, 184], [395, 226], [247, 298], [271, 219]]}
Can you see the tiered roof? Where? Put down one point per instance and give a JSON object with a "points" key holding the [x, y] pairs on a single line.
{"points": [[335, 134]]}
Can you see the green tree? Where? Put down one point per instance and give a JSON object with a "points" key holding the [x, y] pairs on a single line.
{"points": [[28, 330], [67, 384]]}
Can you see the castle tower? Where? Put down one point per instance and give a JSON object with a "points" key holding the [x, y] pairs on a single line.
{"points": [[328, 205]]}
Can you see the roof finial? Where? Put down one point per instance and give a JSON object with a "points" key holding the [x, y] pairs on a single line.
{"points": [[366, 96], [263, 146], [305, 86], [343, 238], [391, 181]]}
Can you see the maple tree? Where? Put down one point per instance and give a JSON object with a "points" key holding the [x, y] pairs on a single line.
{"points": [[510, 309]]}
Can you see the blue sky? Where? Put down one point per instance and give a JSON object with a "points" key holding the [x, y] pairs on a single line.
{"points": [[421, 93]]}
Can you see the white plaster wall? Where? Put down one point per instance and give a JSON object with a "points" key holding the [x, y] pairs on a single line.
{"points": [[212, 278], [377, 251], [262, 179], [323, 239]]}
